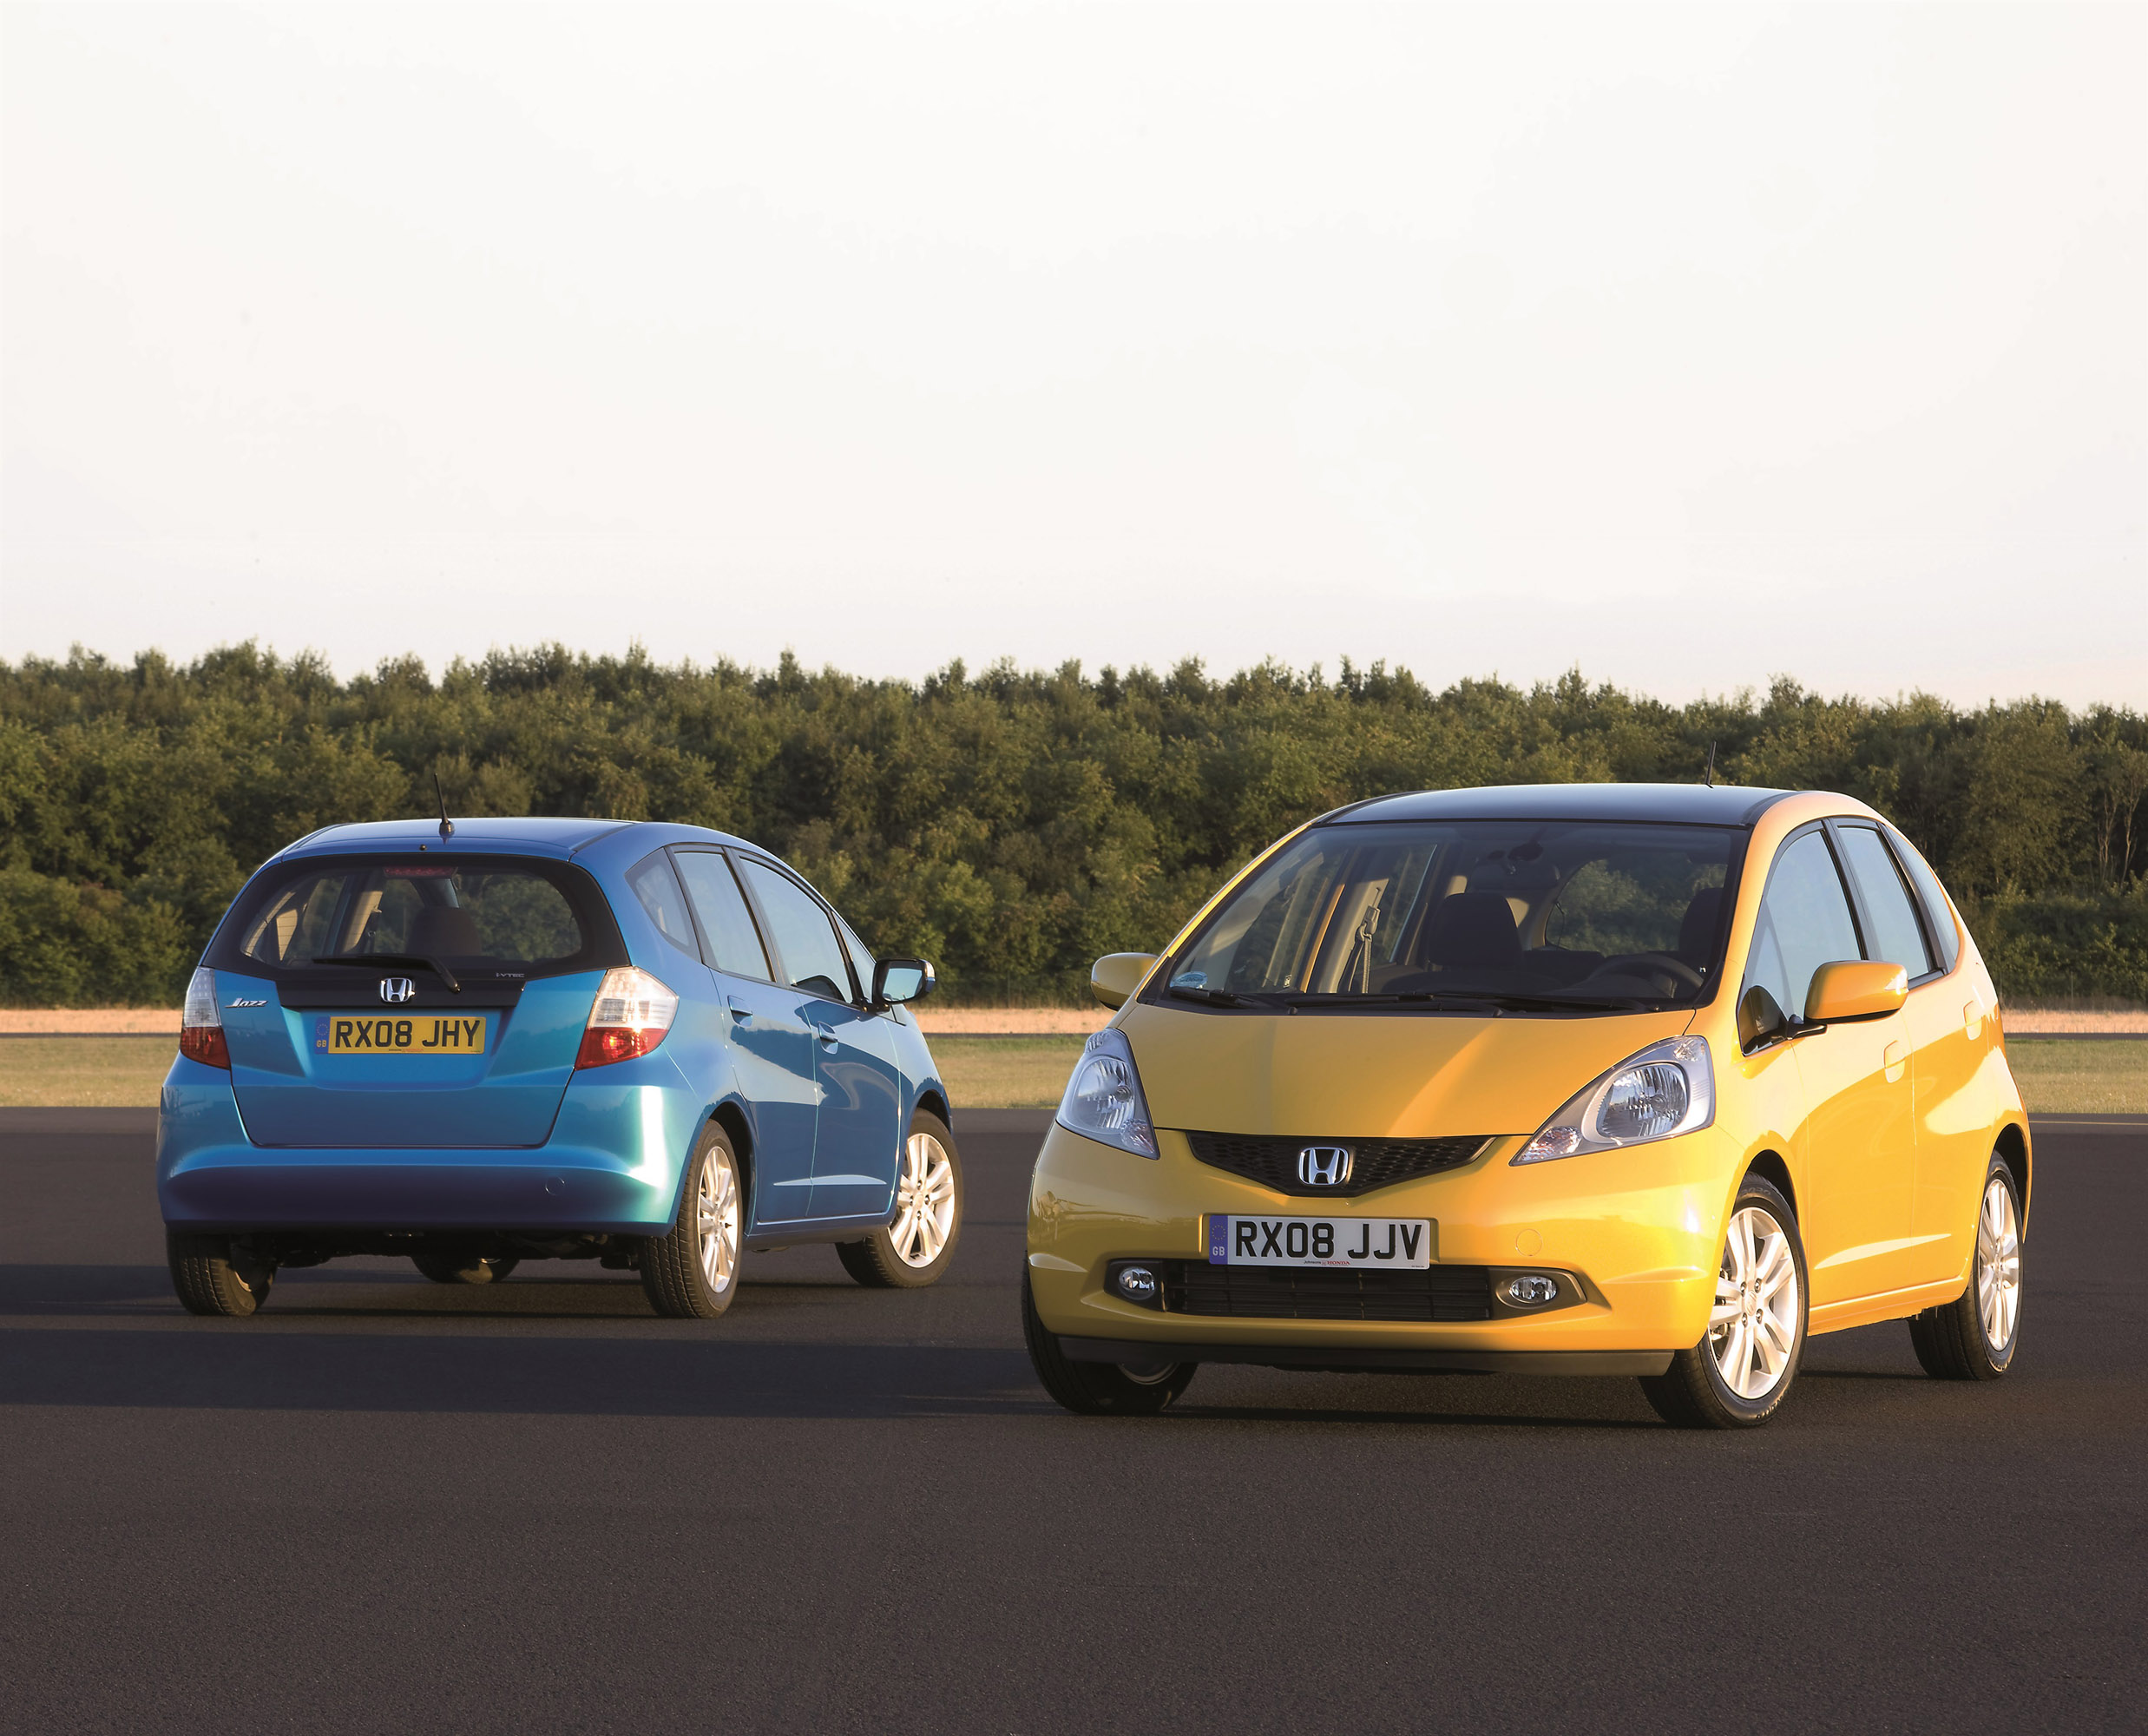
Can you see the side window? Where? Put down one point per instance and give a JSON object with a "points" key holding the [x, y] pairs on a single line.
{"points": [[724, 919], [657, 888], [861, 955], [812, 958], [1804, 923], [1935, 904], [1896, 936]]}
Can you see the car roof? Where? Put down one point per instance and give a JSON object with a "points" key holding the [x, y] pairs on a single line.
{"points": [[537, 834], [1687, 804]]}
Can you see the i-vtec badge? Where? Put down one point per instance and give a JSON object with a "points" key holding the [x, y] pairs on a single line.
{"points": [[1323, 1166], [397, 990]]}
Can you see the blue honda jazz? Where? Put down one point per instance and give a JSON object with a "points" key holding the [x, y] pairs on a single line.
{"points": [[489, 1041]]}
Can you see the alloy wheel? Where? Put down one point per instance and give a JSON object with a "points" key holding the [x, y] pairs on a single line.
{"points": [[1752, 1332], [716, 1221], [1998, 1266], [925, 1202]]}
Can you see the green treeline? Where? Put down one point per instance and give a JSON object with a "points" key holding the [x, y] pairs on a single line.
{"points": [[1011, 825]]}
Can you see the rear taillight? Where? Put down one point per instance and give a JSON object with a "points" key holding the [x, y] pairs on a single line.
{"points": [[632, 1013], [201, 1026]]}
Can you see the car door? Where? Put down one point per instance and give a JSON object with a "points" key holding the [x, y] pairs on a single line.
{"points": [[1953, 1142], [857, 1139], [771, 1046], [1859, 1147]]}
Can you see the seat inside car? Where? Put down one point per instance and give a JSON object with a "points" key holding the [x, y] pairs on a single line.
{"points": [[1473, 930], [1697, 930]]}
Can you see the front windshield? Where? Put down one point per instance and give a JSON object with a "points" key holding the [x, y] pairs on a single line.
{"points": [[1564, 913]]}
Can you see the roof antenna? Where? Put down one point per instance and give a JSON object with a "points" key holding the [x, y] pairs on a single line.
{"points": [[1709, 777], [447, 826]]}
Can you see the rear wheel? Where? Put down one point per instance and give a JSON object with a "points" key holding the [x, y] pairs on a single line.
{"points": [[1973, 1337], [1739, 1373], [455, 1268], [692, 1273], [207, 1280], [1099, 1389], [916, 1248]]}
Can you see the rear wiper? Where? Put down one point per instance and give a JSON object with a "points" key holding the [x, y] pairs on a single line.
{"points": [[376, 959]]}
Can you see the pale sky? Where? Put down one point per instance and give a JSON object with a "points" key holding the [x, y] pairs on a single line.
{"points": [[1689, 346]]}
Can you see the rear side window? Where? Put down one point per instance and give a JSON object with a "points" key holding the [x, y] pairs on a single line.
{"points": [[1896, 937], [724, 918], [656, 889], [812, 958], [1804, 923], [526, 918], [1935, 905]]}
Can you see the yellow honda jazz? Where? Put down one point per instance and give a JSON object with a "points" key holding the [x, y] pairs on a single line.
{"points": [[1642, 1079]]}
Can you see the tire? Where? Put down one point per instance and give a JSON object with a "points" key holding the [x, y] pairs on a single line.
{"points": [[207, 1280], [917, 1247], [1974, 1335], [1098, 1389], [692, 1273], [456, 1268], [1738, 1376]]}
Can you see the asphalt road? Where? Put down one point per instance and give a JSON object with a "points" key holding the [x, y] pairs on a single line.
{"points": [[386, 1505]]}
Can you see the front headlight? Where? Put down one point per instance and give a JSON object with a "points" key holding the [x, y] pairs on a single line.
{"points": [[1104, 1100], [1668, 1088]]}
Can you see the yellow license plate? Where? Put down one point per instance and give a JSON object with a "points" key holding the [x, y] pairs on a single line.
{"points": [[401, 1034]]}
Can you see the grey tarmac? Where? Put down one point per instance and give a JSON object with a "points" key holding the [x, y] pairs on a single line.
{"points": [[389, 1505]]}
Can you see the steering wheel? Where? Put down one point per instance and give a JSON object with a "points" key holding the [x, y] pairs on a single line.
{"points": [[1676, 968]]}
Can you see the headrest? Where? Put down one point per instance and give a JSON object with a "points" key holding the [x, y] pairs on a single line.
{"points": [[445, 931], [1697, 933], [1472, 928]]}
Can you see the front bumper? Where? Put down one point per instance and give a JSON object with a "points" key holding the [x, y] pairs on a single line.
{"points": [[1641, 1230], [612, 1166]]}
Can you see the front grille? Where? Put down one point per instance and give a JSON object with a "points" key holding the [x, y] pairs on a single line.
{"points": [[1374, 1162], [1295, 1293]]}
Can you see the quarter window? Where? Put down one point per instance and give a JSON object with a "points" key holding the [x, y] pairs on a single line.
{"points": [[657, 888], [812, 958], [1896, 937], [1935, 904], [1804, 923]]}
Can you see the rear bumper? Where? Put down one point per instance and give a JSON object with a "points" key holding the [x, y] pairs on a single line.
{"points": [[612, 1166]]}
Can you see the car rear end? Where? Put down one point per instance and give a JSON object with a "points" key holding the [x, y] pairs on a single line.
{"points": [[400, 1038]]}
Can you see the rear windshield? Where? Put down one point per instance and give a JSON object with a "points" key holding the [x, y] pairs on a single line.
{"points": [[1561, 915], [514, 915]]}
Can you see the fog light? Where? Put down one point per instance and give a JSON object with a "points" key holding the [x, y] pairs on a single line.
{"points": [[1532, 1289], [1137, 1284]]}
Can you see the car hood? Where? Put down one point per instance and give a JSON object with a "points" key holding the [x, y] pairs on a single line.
{"points": [[1372, 1075]]}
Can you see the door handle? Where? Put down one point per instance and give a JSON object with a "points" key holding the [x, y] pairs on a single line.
{"points": [[827, 1037], [740, 1013], [1892, 1057]]}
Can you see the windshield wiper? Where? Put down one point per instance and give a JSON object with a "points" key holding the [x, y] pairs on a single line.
{"points": [[376, 959], [1211, 997], [1561, 1003]]}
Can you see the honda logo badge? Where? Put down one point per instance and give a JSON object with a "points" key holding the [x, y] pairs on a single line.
{"points": [[1323, 1166], [397, 990]]}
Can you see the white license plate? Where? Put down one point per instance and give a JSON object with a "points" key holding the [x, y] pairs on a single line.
{"points": [[1404, 1243]]}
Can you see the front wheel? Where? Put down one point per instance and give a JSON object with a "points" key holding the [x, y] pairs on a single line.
{"points": [[1973, 1337], [915, 1248], [1739, 1373], [1099, 1389], [691, 1273], [209, 1280]]}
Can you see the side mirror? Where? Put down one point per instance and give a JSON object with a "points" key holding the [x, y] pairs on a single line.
{"points": [[1760, 1019], [1113, 977], [1855, 989], [898, 980]]}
